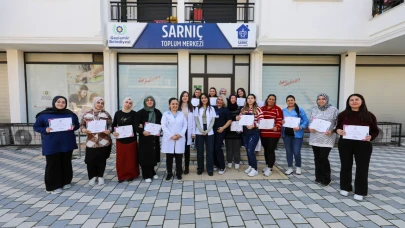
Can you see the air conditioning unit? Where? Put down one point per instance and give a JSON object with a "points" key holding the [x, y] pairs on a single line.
{"points": [[384, 135], [25, 135]]}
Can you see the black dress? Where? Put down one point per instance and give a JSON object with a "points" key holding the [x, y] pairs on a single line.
{"points": [[149, 146]]}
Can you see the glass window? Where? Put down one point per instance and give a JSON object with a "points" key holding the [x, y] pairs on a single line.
{"points": [[303, 82], [79, 83], [138, 81]]}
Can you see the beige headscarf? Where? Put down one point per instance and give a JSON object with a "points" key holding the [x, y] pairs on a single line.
{"points": [[125, 100], [95, 102]]}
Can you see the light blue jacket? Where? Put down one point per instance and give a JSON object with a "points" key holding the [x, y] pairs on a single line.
{"points": [[303, 122]]}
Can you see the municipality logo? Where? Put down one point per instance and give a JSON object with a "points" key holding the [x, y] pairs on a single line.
{"points": [[119, 29], [243, 35]]}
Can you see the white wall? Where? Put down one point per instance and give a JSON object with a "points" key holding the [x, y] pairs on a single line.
{"points": [[329, 20], [51, 19]]}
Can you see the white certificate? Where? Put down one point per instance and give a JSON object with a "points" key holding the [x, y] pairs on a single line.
{"points": [[213, 101], [236, 127], [125, 131], [195, 102], [260, 103], [61, 124], [291, 122], [246, 120], [153, 129], [356, 132], [97, 126], [320, 125], [241, 101], [266, 124]]}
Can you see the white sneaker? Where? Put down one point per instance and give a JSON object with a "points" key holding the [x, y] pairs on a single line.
{"points": [[358, 197], [215, 168], [253, 173], [148, 180], [221, 171], [230, 165], [298, 171], [101, 181], [236, 166], [289, 171], [56, 191], [155, 177], [344, 193], [248, 169], [92, 182], [267, 173], [265, 169], [67, 186]]}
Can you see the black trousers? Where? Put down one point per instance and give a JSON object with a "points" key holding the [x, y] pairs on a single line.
{"points": [[187, 153], [322, 165], [361, 150], [233, 150], [169, 163], [219, 159], [148, 172], [58, 170], [269, 146]]}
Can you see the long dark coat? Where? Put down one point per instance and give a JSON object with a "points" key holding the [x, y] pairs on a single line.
{"points": [[149, 146]]}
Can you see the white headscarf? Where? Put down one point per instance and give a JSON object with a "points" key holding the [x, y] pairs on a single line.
{"points": [[95, 102], [125, 100]]}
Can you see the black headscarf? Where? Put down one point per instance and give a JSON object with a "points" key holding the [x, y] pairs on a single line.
{"points": [[232, 107], [55, 110]]}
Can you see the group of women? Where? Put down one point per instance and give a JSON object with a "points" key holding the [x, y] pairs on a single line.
{"points": [[207, 125]]}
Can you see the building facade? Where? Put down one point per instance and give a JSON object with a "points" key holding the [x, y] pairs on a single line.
{"points": [[82, 49]]}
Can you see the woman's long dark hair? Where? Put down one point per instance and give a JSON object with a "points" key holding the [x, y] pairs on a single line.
{"points": [[364, 114], [208, 102], [297, 109], [209, 94], [196, 90], [275, 99], [189, 105], [244, 93]]}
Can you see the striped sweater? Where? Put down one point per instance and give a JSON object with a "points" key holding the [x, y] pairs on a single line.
{"points": [[258, 116], [275, 113]]}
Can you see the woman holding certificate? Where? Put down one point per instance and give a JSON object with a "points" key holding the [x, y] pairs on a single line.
{"points": [[187, 109], [174, 126], [233, 136], [222, 122], [57, 126], [149, 138], [124, 130], [356, 127], [322, 138], [204, 117], [294, 122], [270, 135], [249, 117], [96, 124]]}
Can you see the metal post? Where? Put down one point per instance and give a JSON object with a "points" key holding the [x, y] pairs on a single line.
{"points": [[80, 146], [400, 134]]}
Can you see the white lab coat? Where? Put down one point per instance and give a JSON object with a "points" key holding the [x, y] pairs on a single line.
{"points": [[190, 127], [210, 115], [170, 127]]}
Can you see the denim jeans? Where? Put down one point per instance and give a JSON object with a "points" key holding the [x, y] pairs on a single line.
{"points": [[293, 148], [209, 145], [250, 139]]}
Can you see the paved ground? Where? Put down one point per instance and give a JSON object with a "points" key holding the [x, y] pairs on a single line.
{"points": [[296, 202]]}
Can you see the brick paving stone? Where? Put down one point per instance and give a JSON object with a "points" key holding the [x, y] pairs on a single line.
{"points": [[296, 202]]}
